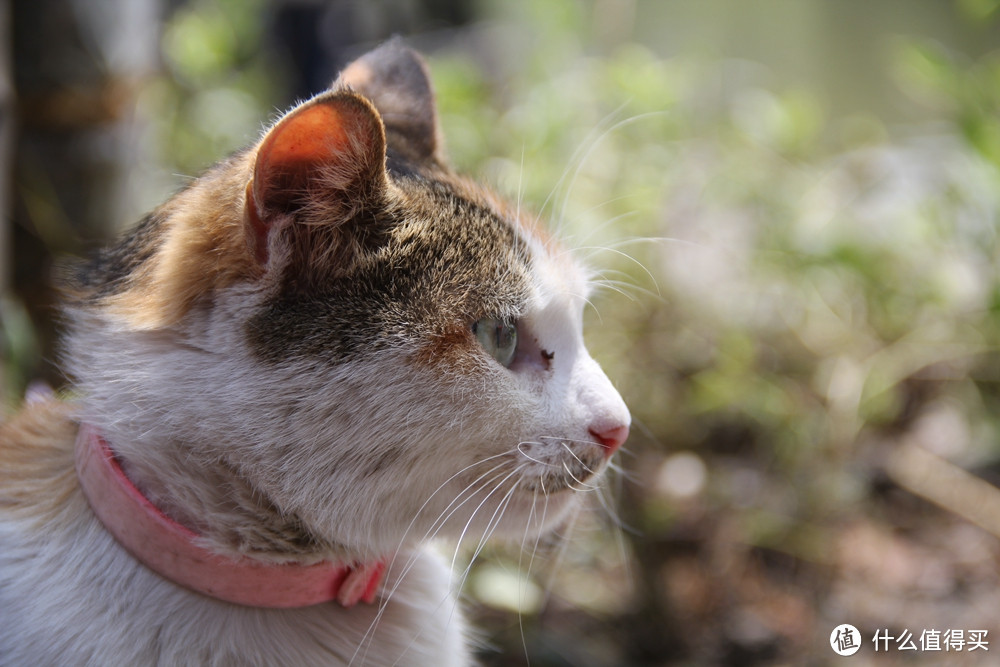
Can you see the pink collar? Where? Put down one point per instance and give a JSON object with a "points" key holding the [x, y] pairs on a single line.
{"points": [[172, 550]]}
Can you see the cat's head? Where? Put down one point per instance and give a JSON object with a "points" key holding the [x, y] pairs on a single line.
{"points": [[353, 337]]}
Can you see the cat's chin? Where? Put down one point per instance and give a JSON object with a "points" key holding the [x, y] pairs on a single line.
{"points": [[581, 474], [542, 511], [526, 517]]}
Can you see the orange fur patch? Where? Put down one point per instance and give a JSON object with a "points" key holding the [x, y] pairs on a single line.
{"points": [[204, 249], [37, 474], [449, 350]]}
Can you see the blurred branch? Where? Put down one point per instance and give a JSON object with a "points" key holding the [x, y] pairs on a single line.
{"points": [[78, 107], [946, 485]]}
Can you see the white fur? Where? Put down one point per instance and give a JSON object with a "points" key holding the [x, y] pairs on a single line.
{"points": [[77, 598], [231, 407], [377, 457]]}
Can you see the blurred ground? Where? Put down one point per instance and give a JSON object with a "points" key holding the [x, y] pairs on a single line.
{"points": [[792, 211]]}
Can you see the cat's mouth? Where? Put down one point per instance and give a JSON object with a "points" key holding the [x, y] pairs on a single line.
{"points": [[568, 468]]}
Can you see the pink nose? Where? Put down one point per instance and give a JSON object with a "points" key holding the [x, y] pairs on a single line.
{"points": [[610, 438]]}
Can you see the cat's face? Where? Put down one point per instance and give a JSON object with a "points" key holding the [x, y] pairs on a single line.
{"points": [[382, 349]]}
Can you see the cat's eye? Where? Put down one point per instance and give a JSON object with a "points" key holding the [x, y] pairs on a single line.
{"points": [[498, 338]]}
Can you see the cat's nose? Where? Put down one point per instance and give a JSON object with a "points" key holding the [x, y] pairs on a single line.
{"points": [[611, 438]]}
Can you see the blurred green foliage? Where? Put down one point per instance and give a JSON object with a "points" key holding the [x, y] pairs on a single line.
{"points": [[19, 351], [785, 294], [217, 86]]}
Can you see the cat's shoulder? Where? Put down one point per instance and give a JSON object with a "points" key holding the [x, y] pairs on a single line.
{"points": [[36, 458]]}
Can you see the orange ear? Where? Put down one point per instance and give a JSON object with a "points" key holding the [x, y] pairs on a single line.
{"points": [[325, 158]]}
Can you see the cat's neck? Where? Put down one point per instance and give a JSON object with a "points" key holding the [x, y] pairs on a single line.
{"points": [[174, 551], [212, 500]]}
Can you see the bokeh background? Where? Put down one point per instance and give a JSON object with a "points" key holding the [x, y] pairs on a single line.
{"points": [[791, 207]]}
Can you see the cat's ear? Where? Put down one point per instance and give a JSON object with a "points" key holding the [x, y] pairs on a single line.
{"points": [[395, 78], [314, 171]]}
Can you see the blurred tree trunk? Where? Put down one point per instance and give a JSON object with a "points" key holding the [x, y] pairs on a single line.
{"points": [[6, 145], [6, 155], [76, 69]]}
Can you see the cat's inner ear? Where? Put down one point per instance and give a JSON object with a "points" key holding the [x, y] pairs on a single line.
{"points": [[317, 168], [396, 80]]}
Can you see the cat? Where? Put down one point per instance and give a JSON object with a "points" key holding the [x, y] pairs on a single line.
{"points": [[323, 353]]}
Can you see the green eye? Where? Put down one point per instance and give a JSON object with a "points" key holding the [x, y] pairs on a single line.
{"points": [[498, 338]]}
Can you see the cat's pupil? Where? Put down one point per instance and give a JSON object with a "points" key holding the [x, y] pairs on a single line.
{"points": [[498, 338]]}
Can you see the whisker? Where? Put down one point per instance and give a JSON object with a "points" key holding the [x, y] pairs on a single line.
{"points": [[582, 486], [596, 230], [606, 498], [491, 527], [569, 449], [622, 473], [621, 528], [622, 253], [452, 567], [650, 239], [520, 567], [614, 288], [594, 135], [443, 517], [520, 183], [369, 633], [471, 489], [591, 148], [601, 281], [531, 458], [608, 507], [468, 523], [560, 554]]}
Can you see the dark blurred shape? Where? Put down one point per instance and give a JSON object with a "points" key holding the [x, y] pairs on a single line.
{"points": [[319, 37]]}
